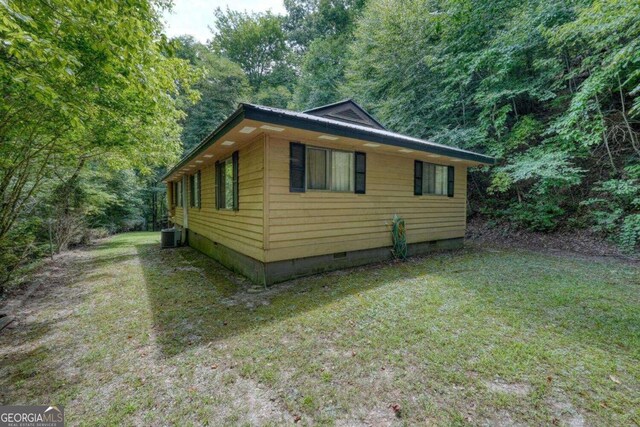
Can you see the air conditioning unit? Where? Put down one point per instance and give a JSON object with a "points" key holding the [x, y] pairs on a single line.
{"points": [[170, 238]]}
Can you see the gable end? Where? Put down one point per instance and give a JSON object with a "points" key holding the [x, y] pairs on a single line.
{"points": [[346, 111]]}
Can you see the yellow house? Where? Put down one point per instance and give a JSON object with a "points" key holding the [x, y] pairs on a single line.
{"points": [[275, 194]]}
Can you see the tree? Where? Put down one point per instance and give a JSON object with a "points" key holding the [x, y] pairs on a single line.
{"points": [[80, 87], [310, 20], [222, 86], [322, 73], [255, 41], [320, 32]]}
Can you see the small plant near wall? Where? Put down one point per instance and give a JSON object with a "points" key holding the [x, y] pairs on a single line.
{"points": [[399, 238]]}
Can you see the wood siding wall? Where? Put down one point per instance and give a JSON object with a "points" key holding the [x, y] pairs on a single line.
{"points": [[318, 223], [240, 230]]}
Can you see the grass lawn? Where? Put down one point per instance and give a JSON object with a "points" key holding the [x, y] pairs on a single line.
{"points": [[127, 333]]}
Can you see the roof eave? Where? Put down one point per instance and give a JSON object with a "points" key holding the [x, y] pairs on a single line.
{"points": [[253, 113], [231, 121], [248, 111]]}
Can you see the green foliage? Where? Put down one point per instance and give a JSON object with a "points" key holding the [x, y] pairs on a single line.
{"points": [[222, 85], [322, 73], [537, 215], [308, 21], [399, 238], [82, 83], [19, 247], [275, 96], [255, 41], [614, 210], [629, 237], [545, 171], [320, 30]]}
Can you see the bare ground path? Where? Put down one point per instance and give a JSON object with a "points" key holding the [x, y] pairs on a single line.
{"points": [[124, 332]]}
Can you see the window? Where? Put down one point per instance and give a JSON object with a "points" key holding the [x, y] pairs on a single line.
{"points": [[227, 183], [433, 179], [329, 170], [194, 190], [316, 168]]}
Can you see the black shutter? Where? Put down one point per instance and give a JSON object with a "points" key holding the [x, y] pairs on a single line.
{"points": [[199, 189], [361, 172], [175, 193], [192, 190], [297, 154], [417, 178], [218, 176], [451, 180], [236, 187]]}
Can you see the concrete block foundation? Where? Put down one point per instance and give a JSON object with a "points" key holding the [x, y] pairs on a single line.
{"points": [[280, 271]]}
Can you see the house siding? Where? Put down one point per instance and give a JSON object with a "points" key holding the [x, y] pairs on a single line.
{"points": [[318, 223], [240, 230]]}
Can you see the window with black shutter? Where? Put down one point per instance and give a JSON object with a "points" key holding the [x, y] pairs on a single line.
{"points": [[326, 169], [361, 172], [227, 186], [432, 179]]}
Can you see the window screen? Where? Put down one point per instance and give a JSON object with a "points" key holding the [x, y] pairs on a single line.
{"points": [[329, 170], [434, 179], [227, 183]]}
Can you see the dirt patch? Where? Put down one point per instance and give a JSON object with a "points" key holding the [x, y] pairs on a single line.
{"points": [[503, 419], [52, 274], [380, 416], [575, 242], [501, 386], [563, 411]]}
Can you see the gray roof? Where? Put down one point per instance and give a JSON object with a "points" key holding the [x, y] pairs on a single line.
{"points": [[349, 130]]}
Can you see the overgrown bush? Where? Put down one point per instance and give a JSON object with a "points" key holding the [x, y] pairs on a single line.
{"points": [[614, 210], [18, 247]]}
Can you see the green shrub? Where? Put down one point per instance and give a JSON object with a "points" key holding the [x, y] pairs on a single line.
{"points": [[614, 210], [629, 238], [17, 248]]}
